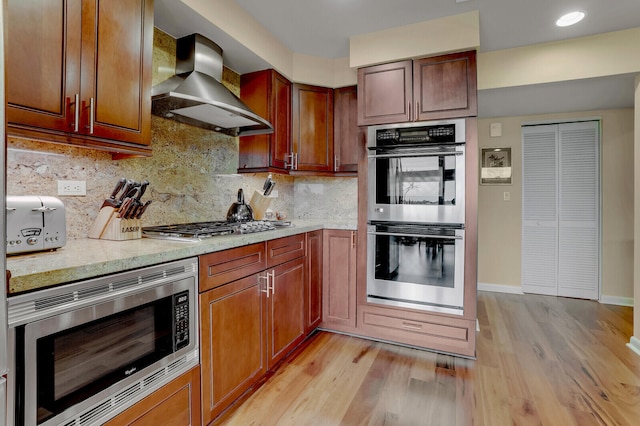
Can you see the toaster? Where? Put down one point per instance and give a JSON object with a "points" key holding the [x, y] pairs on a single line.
{"points": [[35, 223]]}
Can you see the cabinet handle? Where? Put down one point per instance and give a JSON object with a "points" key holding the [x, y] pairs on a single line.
{"points": [[295, 161], [409, 107], [417, 111], [273, 281], [353, 239], [267, 288], [411, 325], [287, 164], [92, 111], [336, 163], [76, 112]]}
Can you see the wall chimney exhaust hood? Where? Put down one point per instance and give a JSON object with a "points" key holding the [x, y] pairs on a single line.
{"points": [[196, 96]]}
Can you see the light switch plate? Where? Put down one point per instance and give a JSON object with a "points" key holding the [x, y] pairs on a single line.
{"points": [[506, 196], [496, 130]]}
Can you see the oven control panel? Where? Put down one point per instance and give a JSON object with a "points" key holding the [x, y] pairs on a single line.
{"points": [[181, 319]]}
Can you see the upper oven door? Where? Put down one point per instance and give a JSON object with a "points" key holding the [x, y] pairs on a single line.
{"points": [[420, 185]]}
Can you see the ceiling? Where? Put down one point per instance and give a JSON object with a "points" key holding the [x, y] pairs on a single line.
{"points": [[323, 27]]}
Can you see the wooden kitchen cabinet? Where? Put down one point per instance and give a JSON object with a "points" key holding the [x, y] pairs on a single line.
{"points": [[268, 94], [348, 138], [252, 314], [285, 309], [313, 282], [339, 280], [233, 341], [312, 129], [424, 89], [79, 72], [177, 403]]}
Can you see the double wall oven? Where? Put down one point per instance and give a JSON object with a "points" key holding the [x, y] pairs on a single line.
{"points": [[416, 213]]}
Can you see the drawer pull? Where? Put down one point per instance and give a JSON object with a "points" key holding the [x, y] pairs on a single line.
{"points": [[412, 325]]}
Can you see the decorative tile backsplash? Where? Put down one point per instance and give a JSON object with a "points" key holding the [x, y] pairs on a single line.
{"points": [[192, 174]]}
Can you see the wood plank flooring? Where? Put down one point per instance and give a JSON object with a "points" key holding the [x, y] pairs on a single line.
{"points": [[541, 360]]}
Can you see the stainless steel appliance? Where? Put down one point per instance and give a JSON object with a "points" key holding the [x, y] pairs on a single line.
{"points": [[3, 283], [417, 172], [34, 223], [83, 352], [416, 266], [194, 232]]}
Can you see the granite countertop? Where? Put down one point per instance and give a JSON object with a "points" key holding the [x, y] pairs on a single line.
{"points": [[81, 259]]}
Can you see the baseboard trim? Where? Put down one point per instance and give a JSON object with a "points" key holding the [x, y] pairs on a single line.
{"points": [[616, 300], [500, 288], [634, 344]]}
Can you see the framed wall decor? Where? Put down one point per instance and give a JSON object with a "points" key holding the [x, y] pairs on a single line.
{"points": [[495, 166]]}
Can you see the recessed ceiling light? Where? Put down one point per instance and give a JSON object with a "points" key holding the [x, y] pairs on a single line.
{"points": [[570, 19]]}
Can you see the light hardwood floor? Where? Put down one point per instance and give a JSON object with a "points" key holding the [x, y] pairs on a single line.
{"points": [[541, 360]]}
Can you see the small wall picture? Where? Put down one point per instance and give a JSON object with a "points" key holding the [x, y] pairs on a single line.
{"points": [[496, 166]]}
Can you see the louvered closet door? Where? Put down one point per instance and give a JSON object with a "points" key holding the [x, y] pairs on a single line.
{"points": [[578, 272], [560, 210], [539, 209]]}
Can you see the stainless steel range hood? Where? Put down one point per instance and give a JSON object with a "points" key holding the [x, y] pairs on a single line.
{"points": [[196, 96]]}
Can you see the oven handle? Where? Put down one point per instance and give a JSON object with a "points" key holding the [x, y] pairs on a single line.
{"points": [[436, 237], [417, 154]]}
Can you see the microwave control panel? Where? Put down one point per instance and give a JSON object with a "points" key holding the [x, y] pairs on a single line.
{"points": [[181, 319]]}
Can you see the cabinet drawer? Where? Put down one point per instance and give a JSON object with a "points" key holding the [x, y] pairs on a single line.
{"points": [[422, 327], [229, 265], [284, 249]]}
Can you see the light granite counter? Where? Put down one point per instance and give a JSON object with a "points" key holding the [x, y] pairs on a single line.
{"points": [[81, 259]]}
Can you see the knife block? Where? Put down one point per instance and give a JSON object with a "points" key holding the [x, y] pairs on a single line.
{"points": [[259, 204], [116, 229]]}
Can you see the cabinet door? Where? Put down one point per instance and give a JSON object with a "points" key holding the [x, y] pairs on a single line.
{"points": [[176, 403], [445, 86], [43, 63], [313, 283], [285, 309], [348, 140], [339, 278], [385, 93], [268, 94], [312, 128], [233, 342], [117, 43]]}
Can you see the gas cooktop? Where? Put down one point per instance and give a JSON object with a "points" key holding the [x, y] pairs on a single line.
{"points": [[201, 230]]}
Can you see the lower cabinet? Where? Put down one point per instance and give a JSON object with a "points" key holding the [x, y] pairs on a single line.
{"points": [[248, 324], [233, 337], [285, 305], [175, 404], [313, 285], [339, 280]]}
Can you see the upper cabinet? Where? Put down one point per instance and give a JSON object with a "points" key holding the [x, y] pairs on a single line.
{"points": [[348, 138], [312, 129], [425, 89], [79, 72], [268, 94], [315, 128]]}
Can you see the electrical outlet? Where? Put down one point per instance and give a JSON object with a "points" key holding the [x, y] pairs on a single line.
{"points": [[274, 194], [506, 196], [72, 187]]}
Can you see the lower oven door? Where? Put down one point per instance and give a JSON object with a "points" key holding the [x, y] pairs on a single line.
{"points": [[416, 266]]}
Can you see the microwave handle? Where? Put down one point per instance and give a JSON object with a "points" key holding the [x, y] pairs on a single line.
{"points": [[416, 154], [436, 237]]}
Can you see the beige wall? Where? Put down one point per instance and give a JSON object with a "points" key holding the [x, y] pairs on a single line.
{"points": [[499, 221]]}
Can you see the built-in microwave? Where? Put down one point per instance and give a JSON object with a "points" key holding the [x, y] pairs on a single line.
{"points": [[416, 172], [83, 352]]}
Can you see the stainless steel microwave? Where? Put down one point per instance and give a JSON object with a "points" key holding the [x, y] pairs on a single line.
{"points": [[81, 353]]}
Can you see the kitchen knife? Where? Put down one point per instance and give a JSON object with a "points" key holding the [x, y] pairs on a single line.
{"points": [[111, 201], [269, 189], [142, 209], [267, 182], [124, 208]]}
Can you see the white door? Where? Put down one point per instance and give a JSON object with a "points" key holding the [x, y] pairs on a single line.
{"points": [[560, 244]]}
